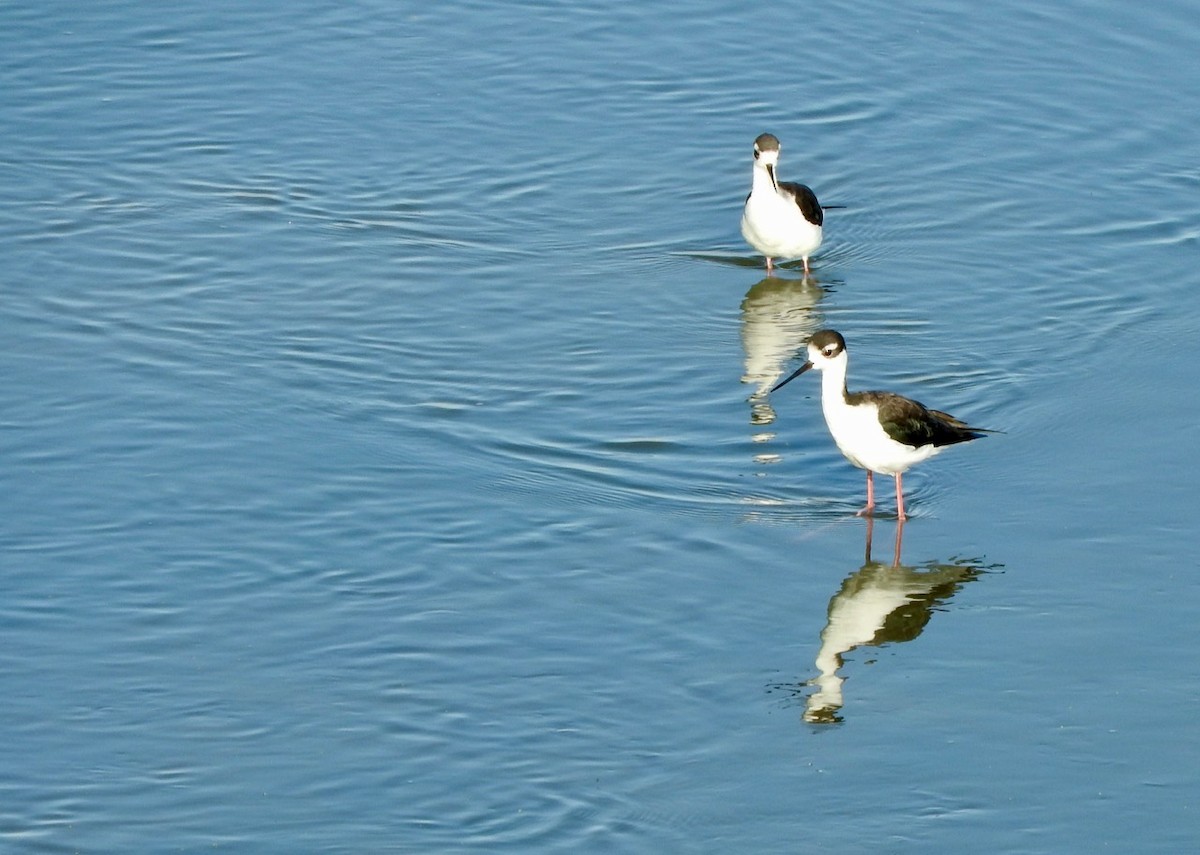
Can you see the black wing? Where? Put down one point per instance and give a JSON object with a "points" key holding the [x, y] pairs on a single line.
{"points": [[912, 423], [807, 200]]}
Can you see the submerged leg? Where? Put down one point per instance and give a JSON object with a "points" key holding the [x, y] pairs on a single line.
{"points": [[768, 265], [900, 497]]}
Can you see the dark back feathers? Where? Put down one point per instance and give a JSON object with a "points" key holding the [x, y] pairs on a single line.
{"points": [[807, 200], [912, 423]]}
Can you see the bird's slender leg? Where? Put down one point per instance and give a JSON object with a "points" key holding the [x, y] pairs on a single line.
{"points": [[806, 265], [768, 265], [899, 539], [870, 495], [900, 497]]}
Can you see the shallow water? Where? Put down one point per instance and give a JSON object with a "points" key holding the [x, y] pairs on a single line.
{"points": [[388, 464]]}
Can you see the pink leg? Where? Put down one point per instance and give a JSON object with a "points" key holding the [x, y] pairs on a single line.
{"points": [[870, 495], [900, 497], [806, 265], [768, 265]]}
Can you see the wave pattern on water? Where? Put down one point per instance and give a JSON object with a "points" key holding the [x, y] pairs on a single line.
{"points": [[389, 456]]}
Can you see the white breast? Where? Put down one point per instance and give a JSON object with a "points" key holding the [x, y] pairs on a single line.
{"points": [[865, 443], [775, 227]]}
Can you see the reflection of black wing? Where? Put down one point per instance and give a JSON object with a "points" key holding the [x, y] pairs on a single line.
{"points": [[906, 622], [806, 199]]}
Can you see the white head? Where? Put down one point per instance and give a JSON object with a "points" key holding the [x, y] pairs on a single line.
{"points": [[826, 349], [766, 155]]}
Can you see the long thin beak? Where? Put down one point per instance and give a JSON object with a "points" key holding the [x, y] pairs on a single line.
{"points": [[771, 172], [793, 375]]}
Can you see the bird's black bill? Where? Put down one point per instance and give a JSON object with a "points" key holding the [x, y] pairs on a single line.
{"points": [[793, 376]]}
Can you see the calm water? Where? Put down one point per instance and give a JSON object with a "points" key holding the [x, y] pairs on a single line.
{"points": [[386, 469]]}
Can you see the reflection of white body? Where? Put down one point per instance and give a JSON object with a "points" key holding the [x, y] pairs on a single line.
{"points": [[781, 219], [777, 319], [876, 605], [856, 614]]}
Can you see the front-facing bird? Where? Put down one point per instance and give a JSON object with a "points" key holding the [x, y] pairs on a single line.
{"points": [[878, 431], [781, 219]]}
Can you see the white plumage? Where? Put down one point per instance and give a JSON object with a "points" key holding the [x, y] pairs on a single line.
{"points": [[781, 219]]}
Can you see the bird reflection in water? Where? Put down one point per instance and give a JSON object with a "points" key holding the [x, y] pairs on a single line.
{"points": [[778, 317], [878, 604]]}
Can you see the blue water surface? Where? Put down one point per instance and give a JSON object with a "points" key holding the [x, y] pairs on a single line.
{"points": [[388, 463]]}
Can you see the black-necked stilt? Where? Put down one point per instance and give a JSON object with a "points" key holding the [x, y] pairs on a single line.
{"points": [[781, 219], [877, 431]]}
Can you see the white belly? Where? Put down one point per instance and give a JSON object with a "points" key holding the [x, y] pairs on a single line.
{"points": [[863, 441], [775, 227]]}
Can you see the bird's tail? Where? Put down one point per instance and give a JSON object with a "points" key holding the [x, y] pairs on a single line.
{"points": [[959, 424]]}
